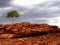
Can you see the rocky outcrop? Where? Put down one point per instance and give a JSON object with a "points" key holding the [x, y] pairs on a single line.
{"points": [[25, 28]]}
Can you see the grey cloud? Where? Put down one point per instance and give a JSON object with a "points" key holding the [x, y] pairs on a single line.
{"points": [[49, 4], [5, 3], [44, 10], [56, 3]]}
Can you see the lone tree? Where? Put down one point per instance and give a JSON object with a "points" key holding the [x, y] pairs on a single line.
{"points": [[12, 14]]}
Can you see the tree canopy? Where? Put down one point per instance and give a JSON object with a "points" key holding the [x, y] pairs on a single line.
{"points": [[12, 14]]}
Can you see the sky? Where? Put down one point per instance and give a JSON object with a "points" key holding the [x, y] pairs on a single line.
{"points": [[35, 11]]}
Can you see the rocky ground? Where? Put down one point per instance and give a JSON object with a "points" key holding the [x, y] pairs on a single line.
{"points": [[48, 39], [29, 34]]}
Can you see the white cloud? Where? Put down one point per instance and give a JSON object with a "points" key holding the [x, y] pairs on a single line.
{"points": [[27, 3], [55, 21]]}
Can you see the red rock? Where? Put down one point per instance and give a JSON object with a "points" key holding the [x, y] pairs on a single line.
{"points": [[1, 26]]}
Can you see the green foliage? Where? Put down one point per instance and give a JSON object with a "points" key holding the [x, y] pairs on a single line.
{"points": [[12, 14]]}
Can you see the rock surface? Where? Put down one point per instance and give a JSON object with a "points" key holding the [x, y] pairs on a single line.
{"points": [[49, 39], [25, 28], [29, 34]]}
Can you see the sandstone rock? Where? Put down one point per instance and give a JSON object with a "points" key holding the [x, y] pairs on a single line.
{"points": [[1, 31], [7, 36], [54, 28], [9, 26], [1, 26], [26, 28]]}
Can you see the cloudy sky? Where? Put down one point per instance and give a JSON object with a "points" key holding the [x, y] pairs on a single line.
{"points": [[37, 11]]}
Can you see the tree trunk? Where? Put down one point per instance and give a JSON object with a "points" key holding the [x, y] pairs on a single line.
{"points": [[13, 20]]}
